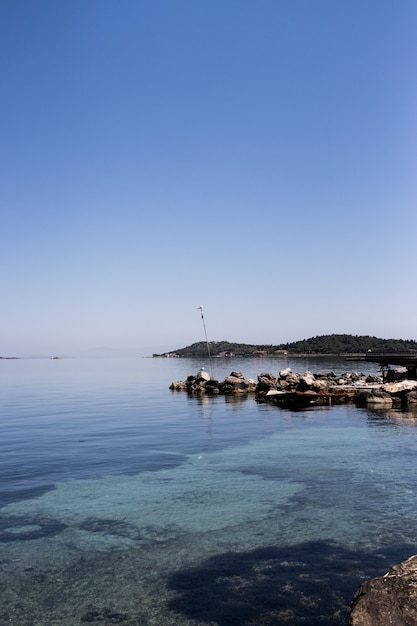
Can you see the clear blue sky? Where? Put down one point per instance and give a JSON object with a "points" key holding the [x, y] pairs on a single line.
{"points": [[255, 157]]}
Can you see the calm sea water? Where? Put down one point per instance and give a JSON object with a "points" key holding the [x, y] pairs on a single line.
{"points": [[125, 503]]}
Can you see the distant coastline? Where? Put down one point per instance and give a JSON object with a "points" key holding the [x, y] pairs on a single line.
{"points": [[320, 346]]}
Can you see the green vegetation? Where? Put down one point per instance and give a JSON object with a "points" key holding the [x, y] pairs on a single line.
{"points": [[324, 344], [347, 344]]}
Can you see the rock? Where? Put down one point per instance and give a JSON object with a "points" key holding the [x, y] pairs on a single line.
{"points": [[178, 385], [320, 385], [268, 377], [212, 387], [379, 397], [389, 599], [411, 398], [196, 384], [306, 382], [266, 382], [202, 374], [373, 397], [233, 380], [236, 374], [359, 388], [282, 385], [235, 383], [373, 379], [404, 385], [293, 379]]}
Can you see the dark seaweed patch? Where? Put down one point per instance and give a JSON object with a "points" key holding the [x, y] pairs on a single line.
{"points": [[104, 615], [108, 616], [27, 528], [309, 584], [7, 497]]}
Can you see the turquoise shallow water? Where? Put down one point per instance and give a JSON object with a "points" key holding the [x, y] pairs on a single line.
{"points": [[122, 502]]}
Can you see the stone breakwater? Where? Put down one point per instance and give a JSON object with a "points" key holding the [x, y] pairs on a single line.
{"points": [[291, 388]]}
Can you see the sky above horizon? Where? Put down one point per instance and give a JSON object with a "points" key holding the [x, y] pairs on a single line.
{"points": [[256, 158]]}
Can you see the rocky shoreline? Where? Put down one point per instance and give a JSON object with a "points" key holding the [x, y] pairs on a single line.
{"points": [[289, 388]]}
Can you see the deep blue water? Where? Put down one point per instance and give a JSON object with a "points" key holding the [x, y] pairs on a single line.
{"points": [[123, 502]]}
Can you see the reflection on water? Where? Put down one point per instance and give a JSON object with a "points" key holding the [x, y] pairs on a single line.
{"points": [[393, 416]]}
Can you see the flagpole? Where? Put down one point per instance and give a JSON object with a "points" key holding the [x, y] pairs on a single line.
{"points": [[200, 308]]}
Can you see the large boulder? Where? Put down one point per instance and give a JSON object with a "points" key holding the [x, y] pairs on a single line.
{"points": [[236, 374], [389, 599], [381, 398], [236, 383], [320, 385], [293, 379], [178, 385], [306, 381], [203, 375], [376, 397], [267, 381], [398, 387], [411, 398], [233, 380], [197, 384]]}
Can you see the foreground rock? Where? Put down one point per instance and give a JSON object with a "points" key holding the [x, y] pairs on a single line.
{"points": [[389, 599]]}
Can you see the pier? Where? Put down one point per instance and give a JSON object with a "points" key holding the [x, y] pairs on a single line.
{"points": [[407, 359]]}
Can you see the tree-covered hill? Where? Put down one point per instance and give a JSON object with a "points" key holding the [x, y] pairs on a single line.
{"points": [[324, 344], [347, 344]]}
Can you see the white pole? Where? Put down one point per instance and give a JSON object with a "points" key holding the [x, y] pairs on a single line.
{"points": [[200, 308]]}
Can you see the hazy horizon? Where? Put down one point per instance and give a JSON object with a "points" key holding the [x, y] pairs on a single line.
{"points": [[104, 351]]}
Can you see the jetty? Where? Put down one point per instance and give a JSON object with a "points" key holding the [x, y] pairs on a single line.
{"points": [[406, 359], [289, 389]]}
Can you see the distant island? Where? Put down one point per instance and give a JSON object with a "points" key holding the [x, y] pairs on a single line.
{"points": [[321, 345]]}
